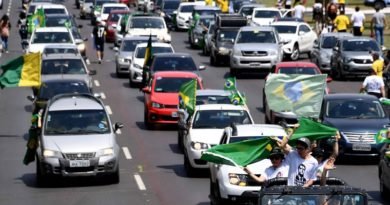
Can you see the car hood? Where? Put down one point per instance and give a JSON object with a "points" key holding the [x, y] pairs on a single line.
{"points": [[357, 125], [166, 98], [209, 136], [263, 21], [256, 46], [38, 47], [186, 16], [78, 143], [256, 168]]}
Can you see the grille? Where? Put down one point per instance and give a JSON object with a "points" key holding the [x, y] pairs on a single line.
{"points": [[79, 169], [362, 61], [80, 156], [254, 53], [170, 106], [247, 62], [367, 138]]}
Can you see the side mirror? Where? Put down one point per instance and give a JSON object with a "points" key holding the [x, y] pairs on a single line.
{"points": [[146, 89], [31, 98], [78, 41], [92, 72], [116, 49], [202, 67], [329, 79], [118, 126], [114, 26]]}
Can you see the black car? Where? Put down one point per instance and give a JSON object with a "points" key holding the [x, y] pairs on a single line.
{"points": [[358, 117], [174, 62], [50, 88]]}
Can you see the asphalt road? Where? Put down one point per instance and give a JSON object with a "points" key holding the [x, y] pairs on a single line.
{"points": [[151, 168]]}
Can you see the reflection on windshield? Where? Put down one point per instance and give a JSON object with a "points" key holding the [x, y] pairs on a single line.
{"points": [[256, 37], [51, 37], [360, 46], [147, 23], [277, 199], [329, 42], [48, 90], [220, 119], [170, 85], [71, 122], [187, 9], [354, 109], [173, 63], [227, 36], [54, 11], [207, 99], [141, 51], [286, 29], [63, 66], [298, 70]]}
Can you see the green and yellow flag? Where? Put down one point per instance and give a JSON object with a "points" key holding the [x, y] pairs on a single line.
{"points": [[240, 153], [230, 83], [36, 20], [148, 52], [22, 71], [237, 98], [187, 96], [300, 94], [312, 130], [381, 136]]}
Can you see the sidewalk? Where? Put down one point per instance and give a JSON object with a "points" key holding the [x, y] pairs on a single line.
{"points": [[351, 10]]}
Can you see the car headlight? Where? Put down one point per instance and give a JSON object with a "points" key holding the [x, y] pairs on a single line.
{"points": [[273, 53], [157, 105], [51, 154], [121, 60], [81, 46], [238, 179], [107, 152], [199, 145], [137, 66]]}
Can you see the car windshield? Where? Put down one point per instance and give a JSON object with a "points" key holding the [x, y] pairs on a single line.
{"points": [[227, 35], [54, 11], [212, 99], [329, 42], [207, 12], [129, 45], [147, 23], [256, 37], [354, 109], [156, 49], [58, 21], [187, 9], [299, 70], [52, 37], [243, 138], [219, 119], [267, 14], [114, 17], [48, 90], [173, 63], [171, 5], [63, 66], [170, 84], [285, 29], [205, 21], [247, 11], [107, 10], [76, 122], [360, 45], [308, 199], [101, 2]]}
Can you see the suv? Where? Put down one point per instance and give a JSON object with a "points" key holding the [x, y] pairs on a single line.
{"points": [[232, 184], [77, 139], [42, 37], [204, 130], [226, 29], [255, 48], [145, 25]]}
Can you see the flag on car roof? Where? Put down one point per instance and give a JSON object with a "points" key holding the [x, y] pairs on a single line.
{"points": [[239, 153], [22, 71], [300, 94], [312, 130], [36, 20], [237, 98], [230, 83], [187, 96], [381, 136]]}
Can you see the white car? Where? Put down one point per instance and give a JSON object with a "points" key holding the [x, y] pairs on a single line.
{"points": [[53, 9], [205, 131], [264, 16], [42, 37], [230, 183], [146, 25], [184, 12], [298, 37], [138, 58], [108, 7]]}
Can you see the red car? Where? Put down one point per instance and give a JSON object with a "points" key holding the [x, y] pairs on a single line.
{"points": [[112, 22], [161, 96]]}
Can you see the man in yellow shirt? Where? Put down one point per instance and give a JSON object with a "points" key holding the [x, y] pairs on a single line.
{"points": [[341, 5], [341, 22], [378, 64]]}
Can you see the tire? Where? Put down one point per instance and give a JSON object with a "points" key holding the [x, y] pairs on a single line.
{"points": [[217, 196], [188, 168], [148, 125], [264, 100], [41, 179], [132, 84], [115, 178], [204, 50], [295, 53]]}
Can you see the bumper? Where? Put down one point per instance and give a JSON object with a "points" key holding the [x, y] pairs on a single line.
{"points": [[252, 63], [357, 69], [163, 116], [349, 149], [194, 158], [324, 65], [135, 75], [122, 67], [234, 192]]}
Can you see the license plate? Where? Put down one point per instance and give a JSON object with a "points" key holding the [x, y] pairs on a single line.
{"points": [[254, 64], [79, 163], [361, 147], [174, 114]]}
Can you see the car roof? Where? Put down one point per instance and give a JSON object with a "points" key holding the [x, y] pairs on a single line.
{"points": [[258, 28], [172, 55], [156, 44], [74, 102], [220, 107], [63, 80], [114, 5], [296, 64], [215, 92], [260, 130], [336, 96], [183, 74]]}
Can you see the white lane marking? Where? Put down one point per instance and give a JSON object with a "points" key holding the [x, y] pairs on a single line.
{"points": [[102, 95], [126, 152], [118, 131], [97, 84], [139, 181], [109, 111]]}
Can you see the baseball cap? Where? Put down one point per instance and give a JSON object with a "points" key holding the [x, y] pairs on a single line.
{"points": [[304, 141], [276, 151], [318, 152]]}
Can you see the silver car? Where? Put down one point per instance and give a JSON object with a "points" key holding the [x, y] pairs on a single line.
{"points": [[322, 49], [255, 49], [77, 139], [352, 56]]}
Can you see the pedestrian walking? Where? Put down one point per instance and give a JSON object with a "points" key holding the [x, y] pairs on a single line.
{"points": [[378, 64], [5, 27], [357, 20], [378, 23], [299, 10], [23, 30], [341, 22], [99, 37], [373, 85]]}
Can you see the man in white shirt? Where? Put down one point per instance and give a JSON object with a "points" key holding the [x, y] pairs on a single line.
{"points": [[299, 10], [357, 20], [374, 85]]}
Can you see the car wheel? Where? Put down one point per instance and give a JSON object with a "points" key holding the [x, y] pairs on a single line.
{"points": [[217, 196], [295, 53], [212, 59], [205, 52], [187, 166], [118, 75], [132, 84], [264, 100], [41, 179], [114, 178], [147, 123]]}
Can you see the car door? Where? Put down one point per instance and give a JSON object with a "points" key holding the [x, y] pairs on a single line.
{"points": [[304, 38]]}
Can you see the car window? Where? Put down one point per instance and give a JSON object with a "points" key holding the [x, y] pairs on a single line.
{"points": [[171, 5], [54, 11], [187, 9], [62, 66], [304, 28], [360, 45], [146, 23], [114, 17], [205, 21], [256, 37], [48, 90], [107, 10], [58, 21], [76, 122], [354, 109], [329, 42], [298, 70], [219, 119], [208, 12], [173, 63], [52, 37], [266, 14], [170, 85], [210, 99], [286, 29], [227, 35], [141, 51], [247, 11]]}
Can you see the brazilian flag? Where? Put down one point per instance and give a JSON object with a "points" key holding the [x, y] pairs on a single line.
{"points": [[312, 130], [381, 136], [230, 83], [36, 20], [187, 96], [237, 98], [148, 52], [300, 94]]}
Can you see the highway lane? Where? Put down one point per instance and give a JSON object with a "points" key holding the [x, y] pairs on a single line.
{"points": [[154, 154]]}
